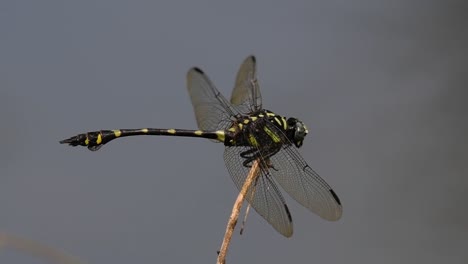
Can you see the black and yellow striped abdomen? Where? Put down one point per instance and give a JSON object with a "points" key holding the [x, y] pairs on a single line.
{"points": [[94, 140]]}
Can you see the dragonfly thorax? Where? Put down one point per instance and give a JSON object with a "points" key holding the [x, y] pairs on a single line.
{"points": [[265, 127]]}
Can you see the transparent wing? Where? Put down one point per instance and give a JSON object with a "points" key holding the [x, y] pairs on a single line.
{"points": [[264, 196], [246, 93], [303, 184], [212, 110]]}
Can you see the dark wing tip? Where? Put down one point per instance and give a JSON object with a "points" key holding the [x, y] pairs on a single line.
{"points": [[335, 196], [287, 212], [251, 58], [198, 70]]}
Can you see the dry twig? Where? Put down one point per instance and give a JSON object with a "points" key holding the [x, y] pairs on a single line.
{"points": [[253, 174]]}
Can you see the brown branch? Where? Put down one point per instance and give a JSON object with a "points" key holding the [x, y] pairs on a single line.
{"points": [[254, 172]]}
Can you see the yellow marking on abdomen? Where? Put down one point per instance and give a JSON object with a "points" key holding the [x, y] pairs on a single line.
{"points": [[171, 131], [221, 135], [198, 132], [99, 139], [86, 141], [144, 130], [270, 114], [246, 121], [253, 118], [240, 126], [117, 133], [232, 129]]}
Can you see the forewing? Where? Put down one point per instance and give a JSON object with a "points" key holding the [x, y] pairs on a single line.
{"points": [[246, 93], [303, 184], [212, 110], [264, 195]]}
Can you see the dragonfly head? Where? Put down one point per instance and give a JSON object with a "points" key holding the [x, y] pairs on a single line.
{"points": [[296, 131]]}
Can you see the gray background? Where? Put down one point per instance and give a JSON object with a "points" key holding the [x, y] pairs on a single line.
{"points": [[381, 85]]}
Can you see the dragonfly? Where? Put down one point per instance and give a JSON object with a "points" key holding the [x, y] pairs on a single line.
{"points": [[249, 133]]}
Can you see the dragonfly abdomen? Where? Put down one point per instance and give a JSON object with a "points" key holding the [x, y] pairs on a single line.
{"points": [[96, 139]]}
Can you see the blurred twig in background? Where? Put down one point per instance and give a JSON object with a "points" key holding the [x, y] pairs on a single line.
{"points": [[36, 249]]}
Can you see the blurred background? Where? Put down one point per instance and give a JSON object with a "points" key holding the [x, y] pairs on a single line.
{"points": [[381, 85]]}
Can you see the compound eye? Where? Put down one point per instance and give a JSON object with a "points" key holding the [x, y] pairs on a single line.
{"points": [[300, 131], [292, 122]]}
